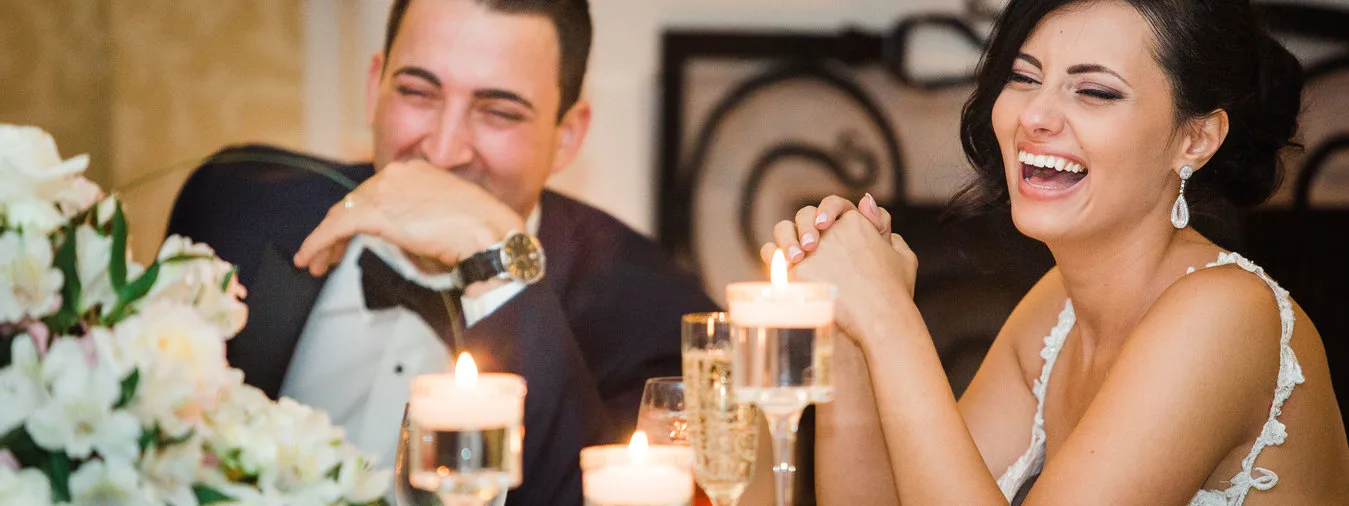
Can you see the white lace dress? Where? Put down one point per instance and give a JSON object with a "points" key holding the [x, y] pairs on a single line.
{"points": [[1274, 433]]}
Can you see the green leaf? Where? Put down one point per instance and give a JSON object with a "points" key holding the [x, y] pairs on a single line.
{"points": [[147, 437], [68, 315], [133, 292], [208, 495], [117, 263], [229, 276], [18, 442], [128, 389], [170, 441], [58, 471], [6, 349], [141, 286], [185, 257]]}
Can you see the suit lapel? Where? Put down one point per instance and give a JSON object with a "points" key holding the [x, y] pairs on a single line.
{"points": [[554, 234], [279, 303]]}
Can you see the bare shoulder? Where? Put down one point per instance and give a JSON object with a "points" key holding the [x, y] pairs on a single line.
{"points": [[1218, 315], [1216, 332], [1032, 320], [1224, 307]]}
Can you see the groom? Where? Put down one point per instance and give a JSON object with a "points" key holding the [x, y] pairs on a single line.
{"points": [[473, 104]]}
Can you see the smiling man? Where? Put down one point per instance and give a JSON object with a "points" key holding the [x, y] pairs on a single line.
{"points": [[473, 104]]}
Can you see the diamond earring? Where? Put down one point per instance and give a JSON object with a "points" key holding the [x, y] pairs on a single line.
{"points": [[1180, 213]]}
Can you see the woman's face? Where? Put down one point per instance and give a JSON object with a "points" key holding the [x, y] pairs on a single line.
{"points": [[1086, 126]]}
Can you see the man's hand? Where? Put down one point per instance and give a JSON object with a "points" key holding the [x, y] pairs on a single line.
{"points": [[429, 213]]}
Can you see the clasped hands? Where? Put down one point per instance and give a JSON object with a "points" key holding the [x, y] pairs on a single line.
{"points": [[434, 216], [852, 247]]}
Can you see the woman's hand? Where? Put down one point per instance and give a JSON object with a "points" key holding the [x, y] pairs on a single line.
{"points": [[852, 248], [796, 238]]}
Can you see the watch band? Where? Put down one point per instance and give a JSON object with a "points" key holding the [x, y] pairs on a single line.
{"points": [[482, 266]]}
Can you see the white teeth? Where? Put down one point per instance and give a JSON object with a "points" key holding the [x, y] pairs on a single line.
{"points": [[1049, 162]]}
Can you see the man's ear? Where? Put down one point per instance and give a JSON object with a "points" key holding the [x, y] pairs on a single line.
{"points": [[571, 132], [373, 79]]}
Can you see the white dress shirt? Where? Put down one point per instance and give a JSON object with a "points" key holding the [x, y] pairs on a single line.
{"points": [[357, 364]]}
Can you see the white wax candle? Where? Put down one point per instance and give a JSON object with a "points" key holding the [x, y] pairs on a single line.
{"points": [[790, 305], [638, 485], [637, 474], [467, 400], [781, 304]]}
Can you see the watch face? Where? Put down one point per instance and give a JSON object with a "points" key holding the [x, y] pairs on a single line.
{"points": [[523, 257]]}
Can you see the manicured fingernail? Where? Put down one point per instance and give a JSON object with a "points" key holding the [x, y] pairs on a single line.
{"points": [[795, 254], [808, 239], [869, 204], [821, 219]]}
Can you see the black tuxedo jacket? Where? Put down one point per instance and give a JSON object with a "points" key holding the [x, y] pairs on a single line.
{"points": [[605, 318]]}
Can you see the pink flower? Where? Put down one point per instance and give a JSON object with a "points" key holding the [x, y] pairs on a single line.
{"points": [[41, 337], [7, 461]]}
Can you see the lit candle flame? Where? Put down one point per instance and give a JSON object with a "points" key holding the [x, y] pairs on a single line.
{"points": [[465, 371], [778, 273], [637, 448]]}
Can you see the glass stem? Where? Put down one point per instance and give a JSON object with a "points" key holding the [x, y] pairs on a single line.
{"points": [[782, 424]]}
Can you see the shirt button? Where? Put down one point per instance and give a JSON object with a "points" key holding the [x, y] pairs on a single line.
{"points": [[398, 369]]}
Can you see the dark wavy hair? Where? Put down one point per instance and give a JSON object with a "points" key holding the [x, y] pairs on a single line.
{"points": [[1216, 55], [570, 18]]}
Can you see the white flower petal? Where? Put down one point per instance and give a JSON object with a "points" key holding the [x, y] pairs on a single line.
{"points": [[106, 482], [30, 287], [26, 487]]}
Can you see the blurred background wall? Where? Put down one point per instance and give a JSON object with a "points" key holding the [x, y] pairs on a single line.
{"points": [[149, 87]]}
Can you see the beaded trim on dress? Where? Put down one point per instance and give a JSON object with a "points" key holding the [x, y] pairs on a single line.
{"points": [[1273, 434]]}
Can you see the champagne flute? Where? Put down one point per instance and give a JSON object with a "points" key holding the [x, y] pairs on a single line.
{"points": [[723, 432]]}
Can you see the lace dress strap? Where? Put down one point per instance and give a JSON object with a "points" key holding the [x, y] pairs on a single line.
{"points": [[1274, 432], [1032, 461]]}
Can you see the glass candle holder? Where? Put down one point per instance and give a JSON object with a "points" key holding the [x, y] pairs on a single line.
{"points": [[465, 435], [782, 347], [637, 474]]}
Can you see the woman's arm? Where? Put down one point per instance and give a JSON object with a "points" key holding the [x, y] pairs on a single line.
{"points": [[1176, 401], [850, 467]]}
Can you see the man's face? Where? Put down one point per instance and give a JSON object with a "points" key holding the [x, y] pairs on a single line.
{"points": [[475, 92]]}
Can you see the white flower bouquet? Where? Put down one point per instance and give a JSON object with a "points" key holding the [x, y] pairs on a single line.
{"points": [[114, 387]]}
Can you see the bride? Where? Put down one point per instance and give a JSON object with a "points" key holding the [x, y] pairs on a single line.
{"points": [[1149, 366]]}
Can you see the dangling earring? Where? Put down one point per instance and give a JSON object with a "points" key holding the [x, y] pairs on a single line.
{"points": [[1180, 213]]}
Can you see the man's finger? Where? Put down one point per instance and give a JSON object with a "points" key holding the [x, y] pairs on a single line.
{"points": [[334, 228]]}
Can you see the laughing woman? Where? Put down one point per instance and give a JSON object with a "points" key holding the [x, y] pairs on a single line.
{"points": [[1149, 366]]}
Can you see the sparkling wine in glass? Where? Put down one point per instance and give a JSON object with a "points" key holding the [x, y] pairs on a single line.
{"points": [[722, 430], [661, 415]]}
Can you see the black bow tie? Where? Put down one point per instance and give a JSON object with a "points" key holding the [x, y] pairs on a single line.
{"points": [[384, 288]]}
